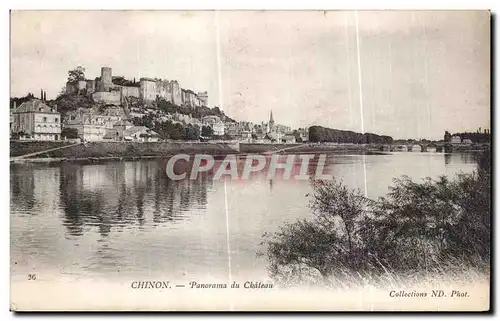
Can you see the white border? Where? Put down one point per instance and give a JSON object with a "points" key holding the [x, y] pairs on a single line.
{"points": [[179, 5]]}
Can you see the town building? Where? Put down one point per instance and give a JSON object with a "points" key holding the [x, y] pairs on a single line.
{"points": [[271, 130], [116, 132], [36, 120], [456, 140], [219, 129], [109, 89], [140, 134], [215, 123], [93, 124], [289, 138], [304, 134], [124, 130]]}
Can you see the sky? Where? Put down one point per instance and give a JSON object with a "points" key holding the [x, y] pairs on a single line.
{"points": [[407, 74]]}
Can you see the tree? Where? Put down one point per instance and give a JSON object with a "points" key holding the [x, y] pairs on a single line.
{"points": [[447, 136], [19, 100], [76, 74], [330, 240], [323, 134], [192, 132], [67, 103], [69, 132], [176, 132], [207, 131], [296, 134]]}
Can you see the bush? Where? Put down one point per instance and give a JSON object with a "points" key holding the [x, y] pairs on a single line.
{"points": [[69, 132], [416, 227]]}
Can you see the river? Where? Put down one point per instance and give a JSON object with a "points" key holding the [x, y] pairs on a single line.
{"points": [[129, 219]]}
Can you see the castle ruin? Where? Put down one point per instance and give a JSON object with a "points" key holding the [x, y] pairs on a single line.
{"points": [[108, 89]]}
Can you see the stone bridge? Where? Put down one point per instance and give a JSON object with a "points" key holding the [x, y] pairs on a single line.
{"points": [[440, 147]]}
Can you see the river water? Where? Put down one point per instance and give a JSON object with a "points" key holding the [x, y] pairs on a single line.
{"points": [[128, 218]]}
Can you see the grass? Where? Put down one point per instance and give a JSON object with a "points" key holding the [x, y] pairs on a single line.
{"points": [[262, 148], [454, 271], [18, 148], [131, 149]]}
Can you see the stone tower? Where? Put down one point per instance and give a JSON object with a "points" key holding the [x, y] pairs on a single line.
{"points": [[106, 77], [203, 96]]}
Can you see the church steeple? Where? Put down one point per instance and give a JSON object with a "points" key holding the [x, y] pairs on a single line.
{"points": [[270, 125]]}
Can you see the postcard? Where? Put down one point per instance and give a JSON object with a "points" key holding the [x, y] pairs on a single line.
{"points": [[264, 160]]}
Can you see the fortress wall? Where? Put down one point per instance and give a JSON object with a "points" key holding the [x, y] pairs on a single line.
{"points": [[147, 90], [90, 86], [71, 88], [130, 91], [82, 84], [176, 93]]}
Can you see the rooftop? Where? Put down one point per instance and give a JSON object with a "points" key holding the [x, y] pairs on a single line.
{"points": [[34, 105]]}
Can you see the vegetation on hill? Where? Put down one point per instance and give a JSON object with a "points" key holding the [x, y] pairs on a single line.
{"points": [[198, 112], [122, 81], [66, 103], [169, 129]]}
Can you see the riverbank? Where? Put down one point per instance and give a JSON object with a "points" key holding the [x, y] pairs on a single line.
{"points": [[117, 151], [19, 148], [263, 148], [129, 151]]}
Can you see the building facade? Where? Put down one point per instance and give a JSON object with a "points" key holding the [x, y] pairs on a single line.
{"points": [[456, 140], [36, 120], [91, 124]]}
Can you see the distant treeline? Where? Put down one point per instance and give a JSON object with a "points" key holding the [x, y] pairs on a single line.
{"points": [[320, 134], [19, 100]]}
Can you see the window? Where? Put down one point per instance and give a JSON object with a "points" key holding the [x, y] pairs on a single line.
{"points": [[44, 119], [56, 120]]}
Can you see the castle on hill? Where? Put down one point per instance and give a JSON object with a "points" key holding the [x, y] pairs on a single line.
{"points": [[109, 89]]}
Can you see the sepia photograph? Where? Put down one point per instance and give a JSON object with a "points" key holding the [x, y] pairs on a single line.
{"points": [[250, 160]]}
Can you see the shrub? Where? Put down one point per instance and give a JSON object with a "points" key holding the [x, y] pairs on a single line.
{"points": [[416, 227]]}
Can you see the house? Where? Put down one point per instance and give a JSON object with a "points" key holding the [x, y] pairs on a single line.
{"points": [[467, 141], [92, 124], [12, 118], [90, 127], [456, 140], [140, 134], [36, 120], [116, 133], [218, 128]]}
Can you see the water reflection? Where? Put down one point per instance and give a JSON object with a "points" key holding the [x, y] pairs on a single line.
{"points": [[124, 193], [130, 216]]}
